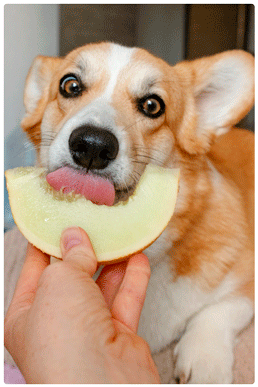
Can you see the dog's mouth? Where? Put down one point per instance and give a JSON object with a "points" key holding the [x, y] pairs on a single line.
{"points": [[98, 189], [124, 193]]}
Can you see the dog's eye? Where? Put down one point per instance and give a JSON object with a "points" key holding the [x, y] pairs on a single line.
{"points": [[152, 106], [70, 86]]}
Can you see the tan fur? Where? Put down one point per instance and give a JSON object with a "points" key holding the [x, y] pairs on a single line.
{"points": [[207, 224], [212, 229], [233, 156]]}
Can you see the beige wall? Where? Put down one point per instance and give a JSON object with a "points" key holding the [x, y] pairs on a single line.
{"points": [[158, 28], [81, 24]]}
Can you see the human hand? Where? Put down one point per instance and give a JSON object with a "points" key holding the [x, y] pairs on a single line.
{"points": [[62, 327]]}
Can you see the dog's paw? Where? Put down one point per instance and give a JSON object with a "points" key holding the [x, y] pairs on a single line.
{"points": [[203, 360]]}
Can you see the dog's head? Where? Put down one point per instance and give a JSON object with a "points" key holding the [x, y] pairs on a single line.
{"points": [[111, 110]]}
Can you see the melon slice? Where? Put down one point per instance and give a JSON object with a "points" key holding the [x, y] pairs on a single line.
{"points": [[116, 232]]}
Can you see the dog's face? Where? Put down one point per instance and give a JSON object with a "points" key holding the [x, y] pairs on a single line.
{"points": [[111, 110]]}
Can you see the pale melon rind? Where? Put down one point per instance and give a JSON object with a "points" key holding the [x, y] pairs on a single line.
{"points": [[116, 232]]}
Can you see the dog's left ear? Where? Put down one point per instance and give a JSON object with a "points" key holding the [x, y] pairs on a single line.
{"points": [[36, 93], [222, 93]]}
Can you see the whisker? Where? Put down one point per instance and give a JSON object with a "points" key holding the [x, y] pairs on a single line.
{"points": [[134, 124], [143, 148], [134, 178], [27, 146], [147, 158], [21, 152], [145, 155], [139, 162]]}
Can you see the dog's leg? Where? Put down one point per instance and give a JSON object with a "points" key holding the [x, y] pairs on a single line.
{"points": [[205, 352], [163, 316]]}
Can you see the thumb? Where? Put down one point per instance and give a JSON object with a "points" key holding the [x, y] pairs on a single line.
{"points": [[77, 249]]}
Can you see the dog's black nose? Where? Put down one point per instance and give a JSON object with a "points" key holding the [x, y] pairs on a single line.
{"points": [[93, 147]]}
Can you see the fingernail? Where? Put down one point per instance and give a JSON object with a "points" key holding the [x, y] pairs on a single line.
{"points": [[71, 237]]}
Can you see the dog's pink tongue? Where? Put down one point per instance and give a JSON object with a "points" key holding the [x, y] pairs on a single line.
{"points": [[94, 188]]}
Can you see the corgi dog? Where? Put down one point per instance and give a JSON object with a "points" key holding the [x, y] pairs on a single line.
{"points": [[108, 110]]}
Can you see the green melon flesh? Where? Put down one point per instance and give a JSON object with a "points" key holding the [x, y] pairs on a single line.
{"points": [[116, 232]]}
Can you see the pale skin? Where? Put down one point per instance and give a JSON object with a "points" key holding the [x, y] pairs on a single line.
{"points": [[62, 327]]}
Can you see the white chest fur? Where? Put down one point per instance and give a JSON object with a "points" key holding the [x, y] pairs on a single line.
{"points": [[169, 304]]}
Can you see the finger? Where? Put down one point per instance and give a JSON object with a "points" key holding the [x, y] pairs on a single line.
{"points": [[129, 300], [110, 280], [35, 263], [77, 249]]}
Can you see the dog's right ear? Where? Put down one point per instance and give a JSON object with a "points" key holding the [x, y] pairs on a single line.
{"points": [[219, 92], [36, 94]]}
